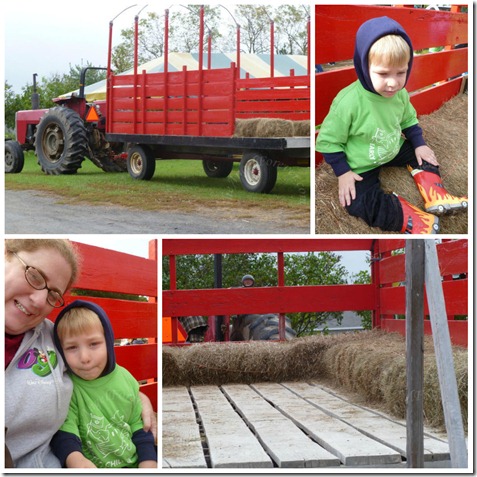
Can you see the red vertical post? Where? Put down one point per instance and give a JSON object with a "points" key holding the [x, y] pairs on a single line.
{"points": [[272, 48], [109, 86], [136, 60], [153, 254], [281, 283], [173, 286], [166, 67], [375, 280], [201, 67]]}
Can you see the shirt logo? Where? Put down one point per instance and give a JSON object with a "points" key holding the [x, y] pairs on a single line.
{"points": [[384, 146], [39, 362]]}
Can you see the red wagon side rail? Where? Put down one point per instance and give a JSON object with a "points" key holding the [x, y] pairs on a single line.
{"points": [[391, 300], [119, 273], [385, 301], [436, 77], [201, 103]]}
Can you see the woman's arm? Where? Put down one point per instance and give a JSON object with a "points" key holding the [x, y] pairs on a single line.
{"points": [[148, 415]]}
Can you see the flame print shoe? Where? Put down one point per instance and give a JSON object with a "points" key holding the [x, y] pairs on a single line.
{"points": [[436, 198], [416, 221]]}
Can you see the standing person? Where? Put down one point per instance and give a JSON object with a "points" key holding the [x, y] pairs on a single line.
{"points": [[38, 272], [104, 426], [371, 124]]}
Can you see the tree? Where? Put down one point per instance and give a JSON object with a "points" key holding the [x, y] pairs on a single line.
{"points": [[197, 272]]}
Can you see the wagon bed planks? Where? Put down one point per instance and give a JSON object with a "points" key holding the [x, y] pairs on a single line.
{"points": [[288, 425]]}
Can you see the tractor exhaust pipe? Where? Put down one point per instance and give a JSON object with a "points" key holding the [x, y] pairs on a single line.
{"points": [[35, 97]]}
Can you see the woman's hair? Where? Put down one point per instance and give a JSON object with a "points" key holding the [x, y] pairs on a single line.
{"points": [[77, 321], [64, 247], [390, 50]]}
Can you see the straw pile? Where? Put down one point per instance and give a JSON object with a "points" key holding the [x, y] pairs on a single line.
{"points": [[371, 364], [271, 127], [445, 132]]}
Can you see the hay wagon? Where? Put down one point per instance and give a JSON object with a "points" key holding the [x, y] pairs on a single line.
{"points": [[217, 399], [125, 286], [213, 115], [437, 76]]}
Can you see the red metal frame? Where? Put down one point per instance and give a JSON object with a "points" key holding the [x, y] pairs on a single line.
{"points": [[385, 296], [112, 271]]}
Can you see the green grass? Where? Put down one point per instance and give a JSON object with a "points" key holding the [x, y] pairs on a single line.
{"points": [[176, 185]]}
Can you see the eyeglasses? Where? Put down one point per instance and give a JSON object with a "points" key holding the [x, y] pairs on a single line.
{"points": [[36, 280]]}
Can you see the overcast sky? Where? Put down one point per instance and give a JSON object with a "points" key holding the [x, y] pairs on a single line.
{"points": [[132, 244], [47, 36]]}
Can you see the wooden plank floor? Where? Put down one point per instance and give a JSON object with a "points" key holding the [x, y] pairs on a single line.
{"points": [[288, 425]]}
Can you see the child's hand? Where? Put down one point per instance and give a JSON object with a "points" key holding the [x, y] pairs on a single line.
{"points": [[76, 460], [425, 153], [346, 187], [148, 464]]}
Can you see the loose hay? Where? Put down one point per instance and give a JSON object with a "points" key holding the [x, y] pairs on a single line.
{"points": [[445, 132], [371, 364]]}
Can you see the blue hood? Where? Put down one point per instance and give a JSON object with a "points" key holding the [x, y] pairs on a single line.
{"points": [[108, 332], [368, 33]]}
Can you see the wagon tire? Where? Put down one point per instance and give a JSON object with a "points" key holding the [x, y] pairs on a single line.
{"points": [[141, 163], [61, 141], [14, 157], [217, 169], [258, 173]]}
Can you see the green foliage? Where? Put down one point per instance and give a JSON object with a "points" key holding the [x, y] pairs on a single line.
{"points": [[48, 89], [363, 278], [324, 268]]}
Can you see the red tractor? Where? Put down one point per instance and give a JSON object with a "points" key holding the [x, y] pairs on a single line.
{"points": [[64, 136]]}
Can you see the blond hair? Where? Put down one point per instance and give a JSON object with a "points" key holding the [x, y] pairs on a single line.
{"points": [[77, 321], [64, 247], [390, 50]]}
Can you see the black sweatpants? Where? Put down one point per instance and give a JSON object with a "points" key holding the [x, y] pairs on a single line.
{"points": [[372, 204]]}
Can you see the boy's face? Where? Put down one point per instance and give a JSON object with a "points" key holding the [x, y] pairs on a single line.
{"points": [[387, 80], [86, 353]]}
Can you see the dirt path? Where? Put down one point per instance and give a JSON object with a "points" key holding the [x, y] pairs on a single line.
{"points": [[29, 212]]}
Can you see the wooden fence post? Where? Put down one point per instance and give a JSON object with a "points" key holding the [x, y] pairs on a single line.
{"points": [[444, 358], [414, 352]]}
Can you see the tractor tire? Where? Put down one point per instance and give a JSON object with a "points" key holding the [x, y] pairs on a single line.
{"points": [[61, 141], [217, 169], [259, 328], [258, 173], [14, 157], [141, 163]]}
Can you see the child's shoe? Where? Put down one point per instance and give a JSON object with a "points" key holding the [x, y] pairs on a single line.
{"points": [[416, 221], [436, 198]]}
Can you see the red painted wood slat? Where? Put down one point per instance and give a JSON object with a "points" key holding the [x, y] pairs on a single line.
{"points": [[290, 299]]}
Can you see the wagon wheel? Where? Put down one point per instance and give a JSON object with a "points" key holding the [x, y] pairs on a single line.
{"points": [[61, 141], [14, 157], [141, 163], [258, 173], [217, 169]]}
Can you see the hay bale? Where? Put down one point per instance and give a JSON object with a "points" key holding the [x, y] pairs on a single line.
{"points": [[445, 132], [271, 127], [246, 127], [301, 128], [370, 363]]}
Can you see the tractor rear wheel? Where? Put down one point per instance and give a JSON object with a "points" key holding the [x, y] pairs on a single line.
{"points": [[260, 327], [14, 157], [141, 163], [217, 169], [61, 141], [258, 173]]}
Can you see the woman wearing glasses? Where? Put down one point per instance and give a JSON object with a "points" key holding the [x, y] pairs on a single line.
{"points": [[37, 389]]}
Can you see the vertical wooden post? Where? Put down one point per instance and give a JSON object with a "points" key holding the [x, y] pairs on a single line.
{"points": [[444, 358], [415, 352]]}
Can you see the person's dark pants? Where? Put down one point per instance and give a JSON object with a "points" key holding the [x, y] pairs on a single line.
{"points": [[373, 205]]}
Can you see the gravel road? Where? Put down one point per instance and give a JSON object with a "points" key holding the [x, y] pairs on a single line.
{"points": [[30, 212]]}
